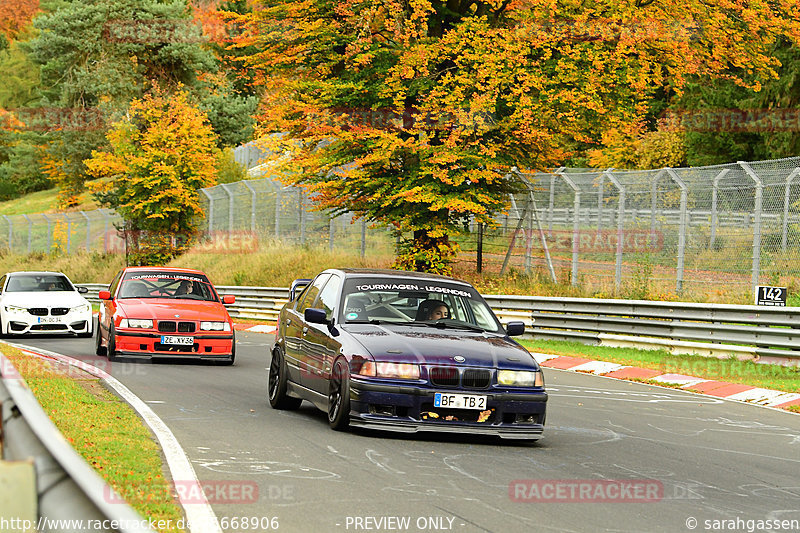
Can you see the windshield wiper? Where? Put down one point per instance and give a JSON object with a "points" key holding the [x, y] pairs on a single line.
{"points": [[441, 324], [372, 321]]}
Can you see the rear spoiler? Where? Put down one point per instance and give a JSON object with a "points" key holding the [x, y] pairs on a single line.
{"points": [[297, 286]]}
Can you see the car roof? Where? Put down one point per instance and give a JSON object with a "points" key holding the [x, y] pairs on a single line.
{"points": [[36, 273], [394, 274], [163, 269]]}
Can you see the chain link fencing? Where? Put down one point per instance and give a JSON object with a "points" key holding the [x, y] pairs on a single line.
{"points": [[662, 231]]}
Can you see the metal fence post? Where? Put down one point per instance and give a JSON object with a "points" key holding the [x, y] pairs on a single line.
{"points": [[302, 214], [69, 233], [363, 237], [552, 198], [10, 230], [714, 214], [620, 227], [230, 207], [210, 216], [785, 227], [30, 227], [88, 232], [278, 212], [252, 206], [575, 225], [654, 202], [105, 230], [49, 232], [331, 233], [756, 222], [600, 202], [682, 230]]}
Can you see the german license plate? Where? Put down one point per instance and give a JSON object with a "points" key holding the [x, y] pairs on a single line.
{"points": [[49, 320], [177, 340], [459, 401]]}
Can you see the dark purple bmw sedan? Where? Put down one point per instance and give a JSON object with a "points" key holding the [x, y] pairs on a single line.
{"points": [[404, 351]]}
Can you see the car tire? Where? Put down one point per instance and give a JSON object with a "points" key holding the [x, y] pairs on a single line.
{"points": [[339, 397], [276, 386], [99, 349], [111, 345]]}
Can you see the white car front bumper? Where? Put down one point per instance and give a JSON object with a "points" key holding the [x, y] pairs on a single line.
{"points": [[47, 321]]}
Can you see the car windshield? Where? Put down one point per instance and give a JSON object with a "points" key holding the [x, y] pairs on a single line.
{"points": [[38, 283], [420, 302], [173, 285]]}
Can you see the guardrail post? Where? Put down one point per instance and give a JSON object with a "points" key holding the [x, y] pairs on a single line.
{"points": [[756, 222], [682, 230], [785, 229], [714, 214]]}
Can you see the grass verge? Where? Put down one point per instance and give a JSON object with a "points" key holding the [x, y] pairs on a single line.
{"points": [[106, 431], [767, 376]]}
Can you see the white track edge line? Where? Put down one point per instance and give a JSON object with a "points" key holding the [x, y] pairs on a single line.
{"points": [[200, 516]]}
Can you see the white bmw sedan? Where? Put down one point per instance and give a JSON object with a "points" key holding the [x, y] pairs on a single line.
{"points": [[43, 303]]}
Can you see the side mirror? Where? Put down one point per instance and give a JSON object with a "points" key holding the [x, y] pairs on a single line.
{"points": [[228, 299], [315, 316], [82, 290], [514, 329], [297, 287], [104, 295]]}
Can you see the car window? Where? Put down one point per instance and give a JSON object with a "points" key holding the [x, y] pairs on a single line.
{"points": [[114, 283], [415, 301], [39, 283], [327, 297], [172, 285], [311, 293]]}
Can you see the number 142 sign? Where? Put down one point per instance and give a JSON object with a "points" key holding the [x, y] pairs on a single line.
{"points": [[775, 296]]}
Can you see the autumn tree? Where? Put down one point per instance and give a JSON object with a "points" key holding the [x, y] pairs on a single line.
{"points": [[411, 113], [161, 153]]}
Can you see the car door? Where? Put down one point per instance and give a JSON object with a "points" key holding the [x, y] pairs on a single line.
{"points": [[295, 352], [105, 314], [320, 344]]}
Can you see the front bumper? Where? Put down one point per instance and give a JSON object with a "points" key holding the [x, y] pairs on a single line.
{"points": [[71, 323], [515, 414], [217, 346]]}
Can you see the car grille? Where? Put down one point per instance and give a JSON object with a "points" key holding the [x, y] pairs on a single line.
{"points": [[476, 378], [59, 311], [170, 326], [453, 376], [444, 376], [38, 311], [49, 327]]}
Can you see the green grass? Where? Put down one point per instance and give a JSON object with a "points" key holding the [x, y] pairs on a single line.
{"points": [[767, 376], [106, 431], [42, 202]]}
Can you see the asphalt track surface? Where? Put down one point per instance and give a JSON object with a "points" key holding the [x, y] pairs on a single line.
{"points": [[715, 465]]}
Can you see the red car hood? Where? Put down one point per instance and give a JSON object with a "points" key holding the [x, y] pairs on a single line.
{"points": [[167, 309]]}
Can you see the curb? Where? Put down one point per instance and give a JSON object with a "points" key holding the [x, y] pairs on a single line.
{"points": [[720, 389], [258, 328]]}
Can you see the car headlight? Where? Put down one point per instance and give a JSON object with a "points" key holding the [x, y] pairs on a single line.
{"points": [[520, 378], [81, 308], [135, 323], [390, 370], [15, 309], [215, 326]]}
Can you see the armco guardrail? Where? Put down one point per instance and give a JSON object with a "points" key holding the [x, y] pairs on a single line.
{"points": [[68, 489], [745, 331]]}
